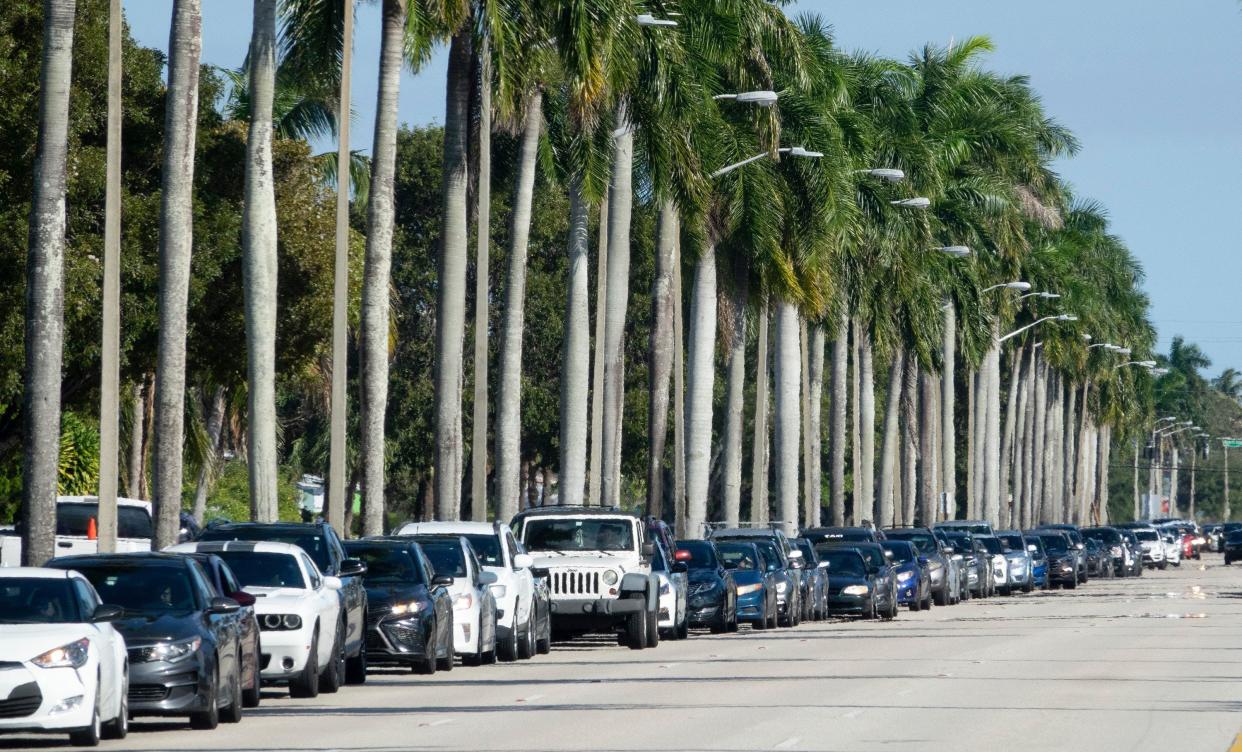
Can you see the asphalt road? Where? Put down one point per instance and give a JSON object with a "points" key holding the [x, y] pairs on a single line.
{"points": [[1150, 663]]}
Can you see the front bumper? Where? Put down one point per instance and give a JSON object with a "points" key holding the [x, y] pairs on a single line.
{"points": [[840, 603], [285, 652], [396, 640], [593, 613], [162, 688], [466, 630], [750, 607], [1061, 573], [35, 699]]}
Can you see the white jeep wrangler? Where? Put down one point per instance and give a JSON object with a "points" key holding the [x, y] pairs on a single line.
{"points": [[598, 562]]}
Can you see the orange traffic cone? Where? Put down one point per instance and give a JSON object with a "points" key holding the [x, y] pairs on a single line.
{"points": [[92, 530]]}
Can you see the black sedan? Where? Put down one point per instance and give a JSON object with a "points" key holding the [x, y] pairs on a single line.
{"points": [[184, 653], [712, 598], [881, 573], [410, 605], [226, 584], [1062, 558], [1233, 546], [851, 586]]}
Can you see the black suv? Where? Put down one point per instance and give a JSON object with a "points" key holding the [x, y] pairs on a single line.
{"points": [[324, 547]]}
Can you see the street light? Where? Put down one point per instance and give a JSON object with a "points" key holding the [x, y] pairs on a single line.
{"points": [[793, 151], [1106, 345], [889, 174], [1139, 363], [1019, 286], [646, 19], [1059, 317], [1159, 372], [919, 202], [1044, 295], [954, 250], [759, 98]]}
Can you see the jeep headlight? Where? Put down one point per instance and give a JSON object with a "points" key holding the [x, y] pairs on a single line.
{"points": [[610, 578], [856, 590], [73, 655]]}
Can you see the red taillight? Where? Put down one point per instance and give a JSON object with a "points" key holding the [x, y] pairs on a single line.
{"points": [[682, 555]]}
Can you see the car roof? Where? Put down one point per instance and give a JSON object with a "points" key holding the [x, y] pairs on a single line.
{"points": [[155, 557], [292, 526], [854, 544], [999, 533], [388, 541], [459, 528], [36, 573], [573, 511], [121, 501], [745, 532], [215, 547]]}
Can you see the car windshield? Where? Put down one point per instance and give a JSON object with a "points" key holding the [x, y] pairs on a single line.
{"points": [[924, 542], [264, 569], [992, 545], [487, 548], [1054, 543], [844, 563], [75, 518], [701, 556], [311, 542], [961, 544], [1104, 536], [872, 554], [737, 555], [446, 556], [1147, 535], [591, 534], [387, 564], [902, 553], [1234, 536], [771, 559], [141, 587], [1013, 542], [37, 600]]}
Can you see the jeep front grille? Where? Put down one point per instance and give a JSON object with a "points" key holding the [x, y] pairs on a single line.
{"points": [[575, 583]]}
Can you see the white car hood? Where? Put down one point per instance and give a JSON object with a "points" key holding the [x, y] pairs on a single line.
{"points": [[279, 600], [586, 559], [21, 642]]}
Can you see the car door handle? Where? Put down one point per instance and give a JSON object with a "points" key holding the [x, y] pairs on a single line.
{"points": [[64, 544]]}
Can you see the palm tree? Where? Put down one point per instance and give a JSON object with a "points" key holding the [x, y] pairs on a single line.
{"points": [[176, 242], [110, 350], [1229, 383], [660, 366], [837, 420]]}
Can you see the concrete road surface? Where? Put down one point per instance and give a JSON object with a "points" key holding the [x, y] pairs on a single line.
{"points": [[1152, 663]]}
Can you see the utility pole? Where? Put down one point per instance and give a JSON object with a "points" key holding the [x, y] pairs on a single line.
{"points": [[1228, 514], [1194, 460]]}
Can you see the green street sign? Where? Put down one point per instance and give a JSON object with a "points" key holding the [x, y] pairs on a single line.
{"points": [[1231, 443]]}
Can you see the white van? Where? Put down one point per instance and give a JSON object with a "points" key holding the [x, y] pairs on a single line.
{"points": [[74, 515]]}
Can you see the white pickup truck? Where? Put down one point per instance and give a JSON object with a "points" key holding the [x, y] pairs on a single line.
{"points": [[74, 515]]}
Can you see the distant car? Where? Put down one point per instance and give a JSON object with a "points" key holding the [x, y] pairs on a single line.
{"points": [[1213, 537], [77, 519], [1223, 535], [975, 527], [913, 581], [778, 552], [1112, 540], [939, 567], [674, 622], [1077, 546], [323, 545], [712, 592], [411, 610], [1172, 546], [880, 570], [1039, 560], [814, 582], [63, 666], [1001, 581], [1134, 557], [848, 534], [1153, 547], [1062, 563], [473, 622], [1021, 563], [181, 638], [755, 582], [1099, 562], [960, 550], [298, 610], [1233, 547], [851, 588]]}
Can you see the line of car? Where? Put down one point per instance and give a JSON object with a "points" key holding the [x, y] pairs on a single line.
{"points": [[199, 629]]}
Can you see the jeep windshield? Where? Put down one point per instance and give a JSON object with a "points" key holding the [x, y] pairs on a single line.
{"points": [[560, 534]]}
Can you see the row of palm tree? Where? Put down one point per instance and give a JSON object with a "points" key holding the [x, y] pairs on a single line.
{"points": [[877, 205]]}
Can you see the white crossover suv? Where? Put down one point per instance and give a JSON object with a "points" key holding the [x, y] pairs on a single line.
{"points": [[474, 606], [299, 612], [63, 668]]}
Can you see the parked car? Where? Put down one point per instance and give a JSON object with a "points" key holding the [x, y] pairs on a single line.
{"points": [[880, 569], [913, 580], [472, 624], [525, 613], [1077, 546], [976, 527], [1225, 529], [1118, 552], [324, 547], [299, 612], [941, 570], [1021, 563], [1214, 537], [410, 614], [181, 638], [64, 664], [1062, 563], [755, 582], [1099, 562], [1135, 552], [1152, 546], [77, 519], [1172, 546], [673, 621], [814, 582], [995, 550], [1233, 546], [226, 584], [848, 534], [960, 549], [1039, 560], [778, 552], [851, 587], [712, 592]]}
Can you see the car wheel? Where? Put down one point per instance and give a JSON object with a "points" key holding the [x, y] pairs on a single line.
{"points": [[356, 667], [916, 604], [1162, 565], [233, 713], [332, 674], [306, 684], [88, 736], [206, 720], [526, 644], [251, 696], [653, 629], [445, 663], [636, 627], [942, 598], [118, 728], [927, 602], [427, 666], [543, 645], [507, 649], [683, 631]]}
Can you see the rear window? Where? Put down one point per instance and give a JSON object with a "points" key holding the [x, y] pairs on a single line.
{"points": [[487, 547], [446, 556], [75, 519], [260, 569]]}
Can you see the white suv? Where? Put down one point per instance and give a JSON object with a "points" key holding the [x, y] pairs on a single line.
{"points": [[599, 565]]}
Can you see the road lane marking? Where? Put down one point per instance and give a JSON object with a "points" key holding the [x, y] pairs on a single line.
{"points": [[791, 741], [532, 698]]}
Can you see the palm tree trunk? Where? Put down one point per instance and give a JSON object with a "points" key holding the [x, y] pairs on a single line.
{"points": [[660, 367], [1194, 460], [482, 296], [1038, 442], [1137, 499], [735, 396], [137, 464], [144, 454], [509, 388], [376, 281], [621, 197], [991, 479], [786, 369], [814, 422], [972, 453], [259, 266], [176, 243], [909, 444], [948, 430], [759, 463], [597, 369], [1008, 435], [1101, 495], [1019, 472], [701, 388], [1173, 481], [888, 457], [929, 475], [866, 410], [339, 494], [1082, 464], [215, 424], [840, 374], [45, 302], [856, 424], [679, 395], [575, 354], [110, 345], [1068, 456]]}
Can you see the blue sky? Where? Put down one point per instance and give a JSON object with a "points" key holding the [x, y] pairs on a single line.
{"points": [[1153, 89]]}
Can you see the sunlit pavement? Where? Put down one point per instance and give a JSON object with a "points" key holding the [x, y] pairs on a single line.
{"points": [[1151, 663]]}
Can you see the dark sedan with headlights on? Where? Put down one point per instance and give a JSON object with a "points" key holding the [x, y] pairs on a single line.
{"points": [[880, 571], [851, 586], [712, 598], [184, 653], [1062, 561], [1233, 546], [409, 606]]}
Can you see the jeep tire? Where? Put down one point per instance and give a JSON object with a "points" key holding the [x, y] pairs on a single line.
{"points": [[635, 632]]}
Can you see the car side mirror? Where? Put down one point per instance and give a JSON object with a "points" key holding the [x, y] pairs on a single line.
{"points": [[487, 578], [223, 606], [243, 598], [105, 613], [441, 580], [352, 567], [922, 561], [823, 565], [523, 561], [648, 550], [680, 567], [332, 583]]}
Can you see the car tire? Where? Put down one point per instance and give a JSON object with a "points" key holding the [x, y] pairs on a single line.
{"points": [[653, 629], [88, 736], [445, 663], [118, 728], [507, 649], [916, 604], [1029, 586], [427, 666], [927, 602], [526, 644], [356, 667], [683, 631], [543, 645], [252, 695], [942, 598], [332, 675], [1164, 564], [306, 684], [635, 632], [1071, 584], [206, 720], [233, 713]]}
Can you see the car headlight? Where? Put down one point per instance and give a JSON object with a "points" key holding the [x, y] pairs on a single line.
{"points": [[465, 600], [856, 590], [73, 655], [406, 608], [273, 622], [172, 652], [1016, 564], [905, 576], [610, 577], [748, 589], [781, 587], [498, 591]]}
